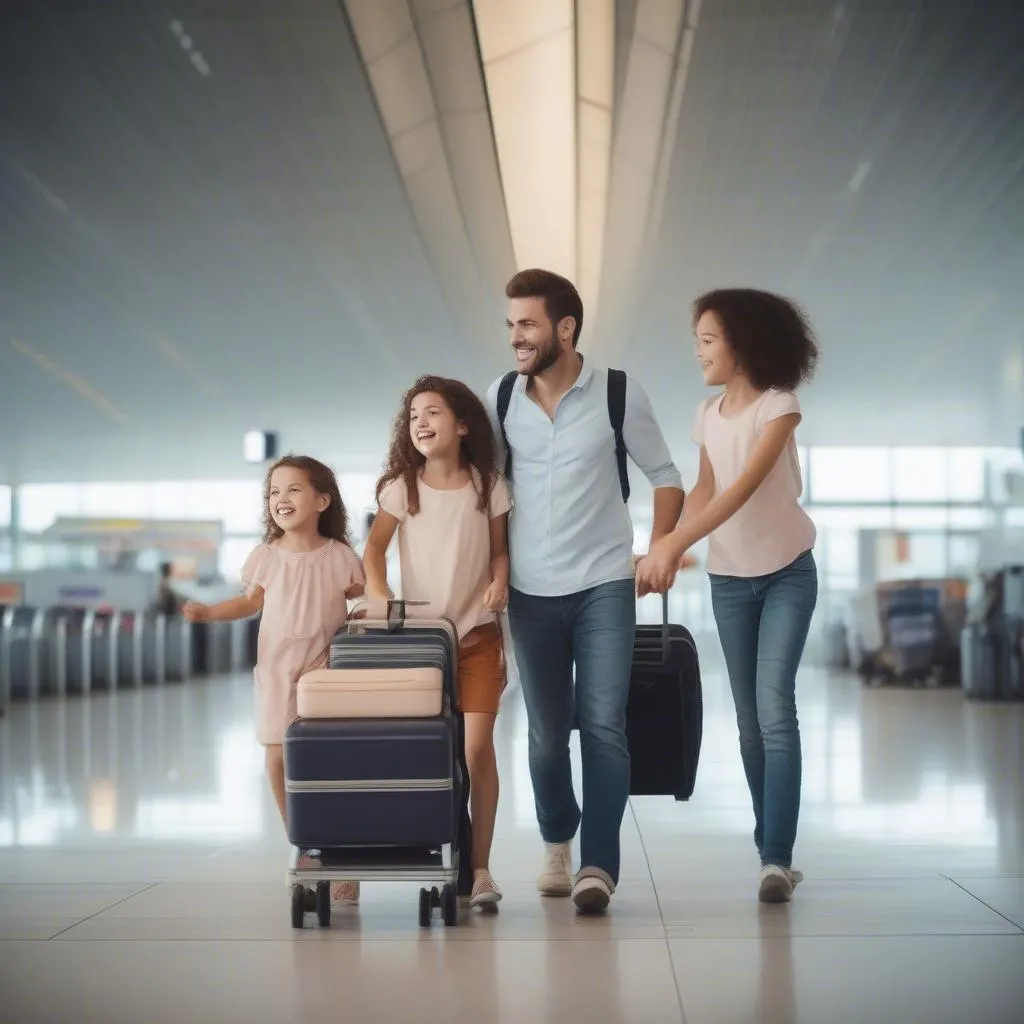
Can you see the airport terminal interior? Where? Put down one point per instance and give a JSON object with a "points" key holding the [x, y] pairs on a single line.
{"points": [[234, 229]]}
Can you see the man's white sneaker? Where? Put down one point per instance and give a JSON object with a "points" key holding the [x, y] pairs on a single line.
{"points": [[776, 884], [556, 878], [591, 894]]}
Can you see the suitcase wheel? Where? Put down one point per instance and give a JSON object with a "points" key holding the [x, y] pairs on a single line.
{"points": [[426, 907], [298, 905], [450, 905], [323, 903]]}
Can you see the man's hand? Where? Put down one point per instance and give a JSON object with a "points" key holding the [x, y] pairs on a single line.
{"points": [[496, 598], [656, 571]]}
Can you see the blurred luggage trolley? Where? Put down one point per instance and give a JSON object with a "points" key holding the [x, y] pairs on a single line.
{"points": [[375, 772], [908, 631]]}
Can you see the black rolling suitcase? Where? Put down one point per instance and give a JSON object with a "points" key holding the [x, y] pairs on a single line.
{"points": [[665, 711]]}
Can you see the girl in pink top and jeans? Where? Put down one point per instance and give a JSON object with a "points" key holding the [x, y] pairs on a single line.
{"points": [[764, 582]]}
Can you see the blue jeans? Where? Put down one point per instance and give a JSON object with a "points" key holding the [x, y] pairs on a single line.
{"points": [[763, 623], [595, 630]]}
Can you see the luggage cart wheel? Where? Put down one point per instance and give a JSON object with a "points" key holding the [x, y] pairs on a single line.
{"points": [[426, 906], [323, 903], [450, 905], [298, 905]]}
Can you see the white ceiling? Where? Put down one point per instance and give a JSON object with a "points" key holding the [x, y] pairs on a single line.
{"points": [[867, 158], [209, 253], [187, 256]]}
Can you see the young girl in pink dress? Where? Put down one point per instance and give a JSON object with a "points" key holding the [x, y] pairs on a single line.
{"points": [[300, 576]]}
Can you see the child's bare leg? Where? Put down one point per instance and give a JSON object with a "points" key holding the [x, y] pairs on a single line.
{"points": [[483, 785], [275, 775]]}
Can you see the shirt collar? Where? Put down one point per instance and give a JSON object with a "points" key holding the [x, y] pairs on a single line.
{"points": [[581, 383]]}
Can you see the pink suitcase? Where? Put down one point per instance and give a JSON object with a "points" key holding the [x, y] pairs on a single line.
{"points": [[370, 693]]}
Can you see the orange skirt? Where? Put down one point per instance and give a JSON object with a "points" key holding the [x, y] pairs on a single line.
{"points": [[482, 671]]}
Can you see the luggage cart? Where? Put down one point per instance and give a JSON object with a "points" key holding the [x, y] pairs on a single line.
{"points": [[316, 869], [442, 870]]}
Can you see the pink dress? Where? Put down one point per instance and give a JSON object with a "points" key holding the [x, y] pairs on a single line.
{"points": [[303, 607]]}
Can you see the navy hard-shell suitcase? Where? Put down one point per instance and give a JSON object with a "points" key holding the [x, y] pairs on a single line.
{"points": [[373, 782]]}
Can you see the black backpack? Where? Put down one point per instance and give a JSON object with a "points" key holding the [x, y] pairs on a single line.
{"points": [[616, 415]]}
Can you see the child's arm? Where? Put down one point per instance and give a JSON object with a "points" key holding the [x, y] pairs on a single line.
{"points": [[698, 499], [242, 607], [375, 556], [496, 597], [670, 549]]}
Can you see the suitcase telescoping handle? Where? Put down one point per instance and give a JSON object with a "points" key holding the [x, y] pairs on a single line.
{"points": [[666, 644], [393, 617]]}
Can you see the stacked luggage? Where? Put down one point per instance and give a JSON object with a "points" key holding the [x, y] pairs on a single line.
{"points": [[992, 643], [375, 774], [907, 632]]}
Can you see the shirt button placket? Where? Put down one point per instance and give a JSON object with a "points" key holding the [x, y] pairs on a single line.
{"points": [[551, 498]]}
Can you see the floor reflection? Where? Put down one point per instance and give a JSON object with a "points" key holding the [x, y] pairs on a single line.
{"points": [[140, 822]]}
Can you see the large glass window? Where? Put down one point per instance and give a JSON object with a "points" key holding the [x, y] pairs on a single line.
{"points": [[238, 504], [839, 558], [357, 492], [40, 504], [127, 500], [168, 500], [852, 517], [5, 506], [966, 474], [850, 474], [233, 553], [920, 474], [910, 517]]}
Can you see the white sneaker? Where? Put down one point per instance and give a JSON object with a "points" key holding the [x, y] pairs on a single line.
{"points": [[556, 878], [591, 895], [776, 884]]}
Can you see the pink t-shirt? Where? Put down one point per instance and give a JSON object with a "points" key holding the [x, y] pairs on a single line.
{"points": [[444, 551], [771, 529]]}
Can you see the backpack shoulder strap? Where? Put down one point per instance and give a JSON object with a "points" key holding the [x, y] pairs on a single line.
{"points": [[508, 382], [617, 416]]}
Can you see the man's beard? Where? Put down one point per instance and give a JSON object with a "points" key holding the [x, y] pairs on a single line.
{"points": [[547, 356]]}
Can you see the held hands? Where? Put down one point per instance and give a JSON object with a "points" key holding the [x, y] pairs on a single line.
{"points": [[194, 611], [656, 571], [496, 598]]}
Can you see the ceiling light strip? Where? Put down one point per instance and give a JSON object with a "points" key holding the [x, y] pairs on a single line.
{"points": [[595, 99], [642, 149], [528, 51], [73, 381]]}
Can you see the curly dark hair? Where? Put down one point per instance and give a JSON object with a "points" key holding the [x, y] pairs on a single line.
{"points": [[561, 299], [769, 335], [403, 460], [333, 521]]}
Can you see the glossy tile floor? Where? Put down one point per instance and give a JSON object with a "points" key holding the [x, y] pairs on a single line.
{"points": [[142, 880]]}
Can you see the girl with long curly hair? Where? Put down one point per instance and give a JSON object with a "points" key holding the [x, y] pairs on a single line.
{"points": [[441, 492], [300, 576]]}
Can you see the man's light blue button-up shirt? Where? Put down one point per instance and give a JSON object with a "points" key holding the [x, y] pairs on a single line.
{"points": [[569, 529]]}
